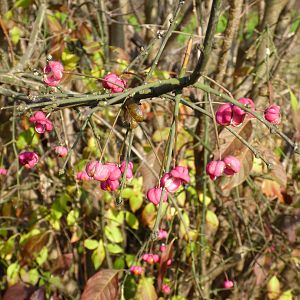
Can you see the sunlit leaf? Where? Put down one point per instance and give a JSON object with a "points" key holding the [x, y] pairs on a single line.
{"points": [[294, 101], [148, 215], [115, 249], [273, 288], [98, 255], [113, 233], [90, 244], [184, 225], [146, 290], [104, 285], [132, 220]]}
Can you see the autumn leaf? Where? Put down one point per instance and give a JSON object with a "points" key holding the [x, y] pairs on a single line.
{"points": [[163, 265], [103, 285]]}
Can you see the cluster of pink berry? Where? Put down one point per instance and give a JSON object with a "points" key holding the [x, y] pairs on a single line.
{"points": [[171, 182], [228, 166], [108, 174], [151, 259], [229, 114], [113, 83], [29, 159]]}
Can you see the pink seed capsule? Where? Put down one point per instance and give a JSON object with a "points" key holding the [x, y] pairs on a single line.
{"points": [[215, 168], [272, 114]]}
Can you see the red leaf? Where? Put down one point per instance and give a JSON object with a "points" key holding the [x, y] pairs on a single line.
{"points": [[18, 291], [39, 294], [104, 285], [166, 255]]}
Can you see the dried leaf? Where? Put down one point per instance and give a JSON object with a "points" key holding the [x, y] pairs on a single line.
{"points": [[103, 285], [271, 189], [62, 264], [163, 265], [154, 161], [34, 245], [229, 144], [277, 172], [246, 159], [289, 224], [261, 268]]}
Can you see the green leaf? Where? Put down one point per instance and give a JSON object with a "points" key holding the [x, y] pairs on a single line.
{"points": [[116, 217], [119, 263], [126, 193], [134, 21], [69, 60], [251, 24], [129, 258], [295, 25], [13, 272], [42, 256], [113, 233], [33, 276], [222, 24], [136, 201], [182, 227], [23, 3], [294, 101], [15, 34], [115, 249], [132, 220], [27, 138], [72, 217], [98, 255], [90, 244]]}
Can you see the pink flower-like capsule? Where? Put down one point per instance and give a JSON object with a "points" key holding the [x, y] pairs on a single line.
{"points": [[181, 173], [102, 172], [114, 83], [28, 159], [228, 284], [224, 114], [272, 114], [238, 114], [151, 258], [61, 151], [154, 195], [3, 172], [232, 165], [165, 289], [114, 171], [136, 270], [110, 185], [163, 247], [129, 173], [53, 73], [215, 168], [162, 234], [170, 183], [169, 262], [41, 123], [83, 176], [91, 168]]}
